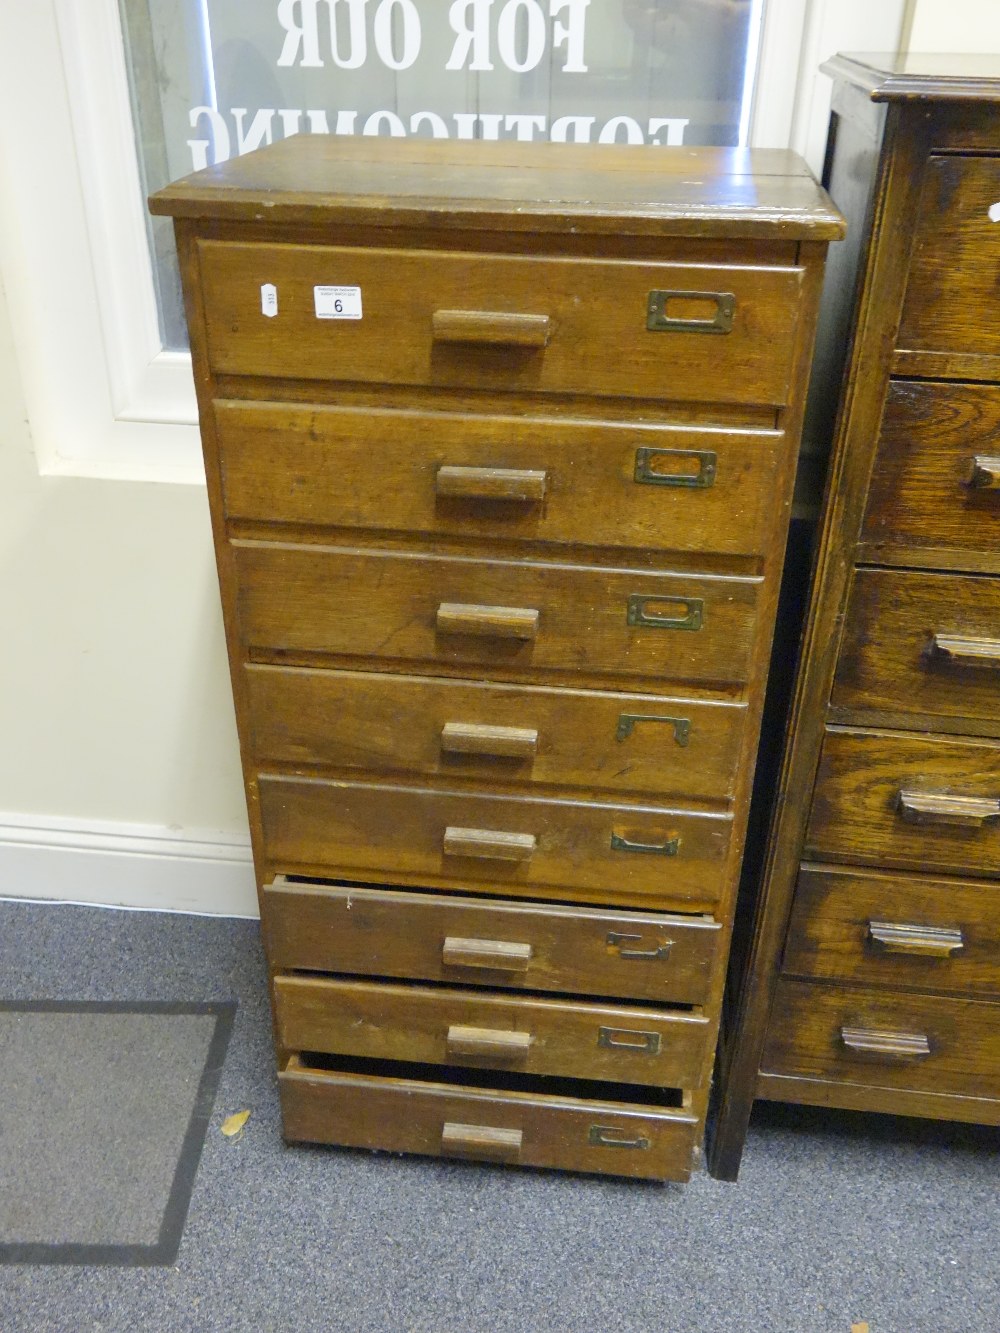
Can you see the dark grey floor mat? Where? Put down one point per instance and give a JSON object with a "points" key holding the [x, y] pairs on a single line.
{"points": [[103, 1113]]}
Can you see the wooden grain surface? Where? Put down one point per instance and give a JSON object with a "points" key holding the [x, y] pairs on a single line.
{"points": [[869, 1096], [597, 310], [855, 810], [376, 470], [589, 188], [589, 739], [359, 829], [829, 936], [956, 253], [921, 507], [403, 1115], [804, 1038], [887, 660], [385, 1022], [393, 933], [374, 604]]}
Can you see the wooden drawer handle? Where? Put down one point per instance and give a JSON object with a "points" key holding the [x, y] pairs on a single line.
{"points": [[489, 844], [502, 1145], [956, 650], [925, 941], [985, 472], [491, 955], [500, 327], [491, 483], [938, 807], [476, 738], [885, 1044], [494, 622], [487, 1042]]}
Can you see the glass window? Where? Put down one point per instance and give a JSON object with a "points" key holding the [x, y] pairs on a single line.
{"points": [[213, 78]]}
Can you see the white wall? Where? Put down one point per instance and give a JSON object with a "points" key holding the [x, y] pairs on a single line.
{"points": [[955, 25], [116, 720]]}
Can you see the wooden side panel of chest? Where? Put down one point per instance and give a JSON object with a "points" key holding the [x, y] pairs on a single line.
{"points": [[870, 981], [499, 508]]}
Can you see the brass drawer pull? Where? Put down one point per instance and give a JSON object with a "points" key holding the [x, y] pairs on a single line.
{"points": [[659, 321], [491, 483], [622, 1039], [609, 1136], [489, 844], [499, 327], [926, 941], [616, 939], [476, 738], [494, 622], [957, 650], [503, 1145], [627, 722], [639, 615], [668, 848], [985, 472], [487, 1042], [939, 807], [645, 474], [885, 1044], [490, 955]]}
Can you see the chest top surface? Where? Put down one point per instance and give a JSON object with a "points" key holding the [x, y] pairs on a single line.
{"points": [[556, 188], [921, 77]]}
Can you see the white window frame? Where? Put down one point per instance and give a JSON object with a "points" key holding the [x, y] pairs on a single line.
{"points": [[103, 398]]}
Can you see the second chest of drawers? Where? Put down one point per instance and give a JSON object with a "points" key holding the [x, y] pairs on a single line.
{"points": [[500, 444], [874, 981]]}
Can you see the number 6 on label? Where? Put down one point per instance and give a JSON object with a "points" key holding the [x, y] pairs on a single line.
{"points": [[337, 302]]}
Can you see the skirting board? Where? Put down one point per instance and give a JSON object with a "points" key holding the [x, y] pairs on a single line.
{"points": [[126, 865]]}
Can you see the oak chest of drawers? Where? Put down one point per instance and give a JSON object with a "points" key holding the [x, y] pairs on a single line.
{"points": [[874, 981], [499, 443]]}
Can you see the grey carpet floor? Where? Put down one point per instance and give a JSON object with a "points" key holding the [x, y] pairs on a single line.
{"points": [[835, 1219]]}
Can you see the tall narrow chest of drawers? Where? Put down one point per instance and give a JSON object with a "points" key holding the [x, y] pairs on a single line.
{"points": [[874, 982], [499, 442]]}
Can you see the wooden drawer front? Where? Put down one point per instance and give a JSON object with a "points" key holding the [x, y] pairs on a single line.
{"points": [[490, 1031], [382, 932], [654, 487], [918, 1042], [884, 930], [888, 801], [500, 322], [935, 489], [956, 255], [925, 644], [639, 743], [442, 1120], [395, 607], [585, 852]]}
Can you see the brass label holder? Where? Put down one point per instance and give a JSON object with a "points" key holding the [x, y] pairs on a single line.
{"points": [[659, 321], [646, 475]]}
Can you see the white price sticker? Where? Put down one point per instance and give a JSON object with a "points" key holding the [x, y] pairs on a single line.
{"points": [[268, 299], [337, 302]]}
